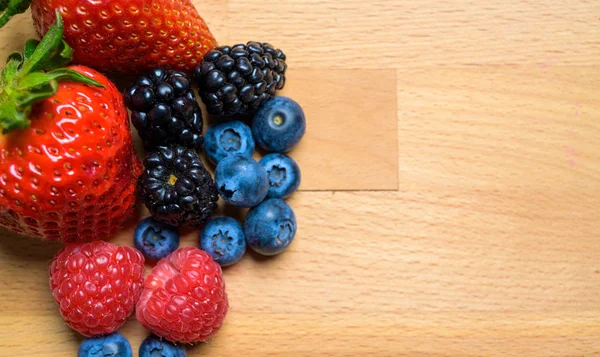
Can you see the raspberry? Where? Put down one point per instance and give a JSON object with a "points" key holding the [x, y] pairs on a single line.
{"points": [[96, 285], [184, 298]]}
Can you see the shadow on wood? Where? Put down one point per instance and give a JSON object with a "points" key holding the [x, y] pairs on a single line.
{"points": [[26, 248]]}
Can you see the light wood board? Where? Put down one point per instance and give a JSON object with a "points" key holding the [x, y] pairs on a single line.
{"points": [[451, 195]]}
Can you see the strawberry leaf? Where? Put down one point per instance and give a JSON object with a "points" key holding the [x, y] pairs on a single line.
{"points": [[60, 57], [15, 56], [66, 54], [3, 5], [30, 47], [66, 74], [42, 90], [48, 53], [13, 63], [12, 118], [12, 8], [33, 80], [34, 75]]}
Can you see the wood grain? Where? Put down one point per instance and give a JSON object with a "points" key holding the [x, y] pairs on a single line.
{"points": [[347, 146], [485, 240], [426, 33]]}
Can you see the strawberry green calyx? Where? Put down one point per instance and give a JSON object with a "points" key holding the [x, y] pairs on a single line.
{"points": [[10, 8], [33, 75]]}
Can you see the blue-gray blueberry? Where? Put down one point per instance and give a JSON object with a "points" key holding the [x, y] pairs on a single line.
{"points": [[155, 239], [279, 124], [114, 345], [228, 138], [154, 346], [284, 175], [270, 227], [223, 238], [241, 181]]}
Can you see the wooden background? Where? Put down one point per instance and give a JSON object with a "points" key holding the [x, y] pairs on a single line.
{"points": [[451, 196]]}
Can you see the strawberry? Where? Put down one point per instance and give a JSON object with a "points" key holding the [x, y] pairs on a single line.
{"points": [[69, 169], [96, 285], [125, 36], [183, 298]]}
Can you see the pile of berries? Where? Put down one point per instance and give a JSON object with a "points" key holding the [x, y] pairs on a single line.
{"points": [[176, 187], [178, 191], [183, 299], [75, 176]]}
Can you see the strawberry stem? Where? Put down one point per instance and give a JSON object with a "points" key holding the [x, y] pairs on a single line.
{"points": [[33, 75]]}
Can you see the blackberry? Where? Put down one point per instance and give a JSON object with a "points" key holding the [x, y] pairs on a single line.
{"points": [[164, 110], [176, 187], [238, 79]]}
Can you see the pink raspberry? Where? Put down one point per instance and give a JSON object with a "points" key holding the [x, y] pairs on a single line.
{"points": [[96, 285], [184, 298]]}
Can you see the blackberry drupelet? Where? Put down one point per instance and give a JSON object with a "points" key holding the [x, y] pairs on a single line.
{"points": [[238, 79], [164, 110], [176, 187]]}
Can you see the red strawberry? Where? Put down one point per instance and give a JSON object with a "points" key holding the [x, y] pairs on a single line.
{"points": [[184, 298], [127, 36], [70, 167], [96, 285]]}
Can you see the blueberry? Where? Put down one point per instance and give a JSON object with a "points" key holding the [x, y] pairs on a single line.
{"points": [[155, 239], [270, 227], [228, 138], [153, 346], [279, 124], [114, 345], [284, 175], [223, 238], [241, 181]]}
